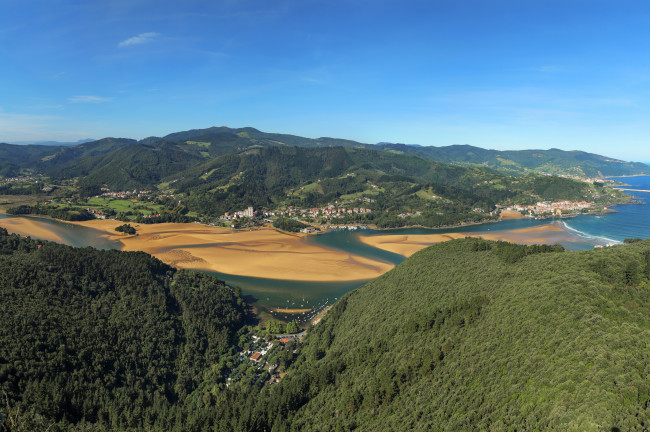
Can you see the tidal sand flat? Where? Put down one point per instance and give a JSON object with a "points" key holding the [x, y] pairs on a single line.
{"points": [[408, 244], [263, 253], [267, 253], [30, 227]]}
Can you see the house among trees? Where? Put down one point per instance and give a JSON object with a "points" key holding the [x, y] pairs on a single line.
{"points": [[256, 357]]}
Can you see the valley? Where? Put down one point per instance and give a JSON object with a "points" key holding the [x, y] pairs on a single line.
{"points": [[254, 267]]}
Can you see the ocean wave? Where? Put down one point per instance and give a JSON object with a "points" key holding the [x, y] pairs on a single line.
{"points": [[600, 240]]}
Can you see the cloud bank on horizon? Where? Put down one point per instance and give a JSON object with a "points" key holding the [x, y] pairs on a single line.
{"points": [[501, 74]]}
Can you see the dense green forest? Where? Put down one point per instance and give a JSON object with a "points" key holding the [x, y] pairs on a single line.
{"points": [[104, 338], [464, 335], [126, 229], [289, 225], [475, 335]]}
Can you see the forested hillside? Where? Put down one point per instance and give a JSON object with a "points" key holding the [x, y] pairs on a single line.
{"points": [[475, 335], [388, 184], [223, 174], [464, 335], [104, 338], [110, 161], [552, 161]]}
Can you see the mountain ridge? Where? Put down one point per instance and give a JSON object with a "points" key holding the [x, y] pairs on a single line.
{"points": [[224, 140]]}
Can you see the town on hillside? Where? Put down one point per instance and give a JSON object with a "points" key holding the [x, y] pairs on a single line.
{"points": [[552, 208]]}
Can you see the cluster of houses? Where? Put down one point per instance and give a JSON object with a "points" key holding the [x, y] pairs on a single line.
{"points": [[323, 212], [328, 212], [96, 212], [552, 207], [20, 179], [577, 177], [260, 350], [106, 192], [257, 355]]}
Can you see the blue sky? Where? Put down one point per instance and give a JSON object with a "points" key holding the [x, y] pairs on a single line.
{"points": [[508, 74]]}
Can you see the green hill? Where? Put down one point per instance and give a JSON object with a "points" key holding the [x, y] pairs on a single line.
{"points": [[552, 161], [92, 337], [473, 335], [389, 184], [222, 173], [128, 167], [465, 335], [216, 141]]}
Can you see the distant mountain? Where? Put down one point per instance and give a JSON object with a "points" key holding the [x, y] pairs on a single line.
{"points": [[124, 164], [255, 137], [553, 161], [49, 159], [199, 145], [53, 143]]}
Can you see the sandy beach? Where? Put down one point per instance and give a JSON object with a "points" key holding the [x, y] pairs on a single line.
{"points": [[407, 245], [264, 252]]}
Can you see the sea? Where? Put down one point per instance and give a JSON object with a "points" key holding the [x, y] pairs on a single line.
{"points": [[629, 221], [268, 295]]}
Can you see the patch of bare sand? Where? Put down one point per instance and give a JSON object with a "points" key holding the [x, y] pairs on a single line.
{"points": [[407, 245], [264, 252], [289, 311]]}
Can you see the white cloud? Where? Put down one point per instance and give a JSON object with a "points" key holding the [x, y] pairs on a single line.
{"points": [[142, 38], [89, 99]]}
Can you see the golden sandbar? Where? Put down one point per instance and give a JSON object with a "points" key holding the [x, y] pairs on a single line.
{"points": [[263, 252]]}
